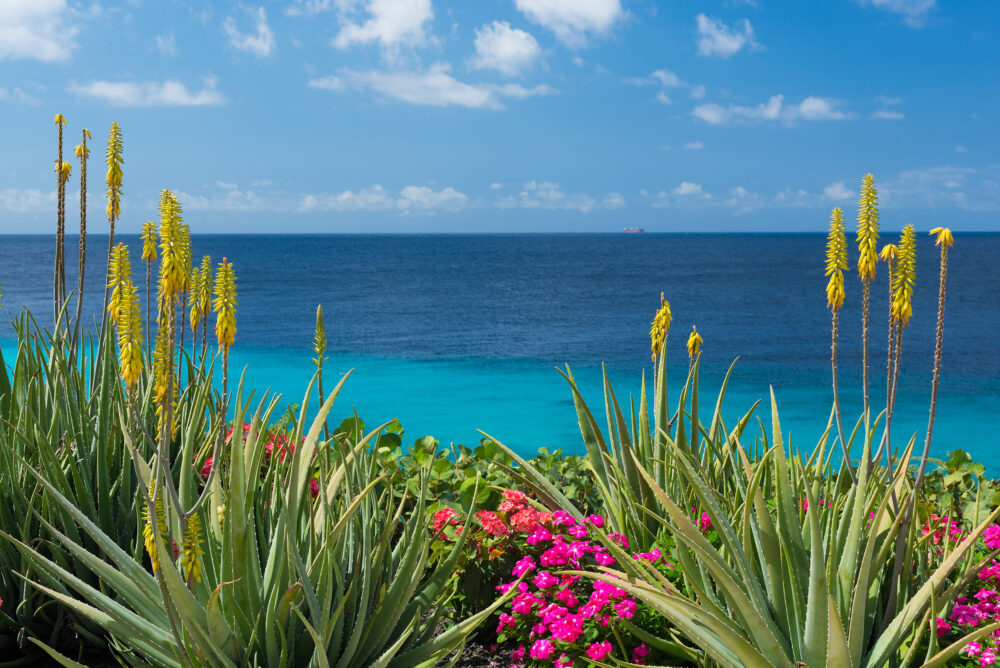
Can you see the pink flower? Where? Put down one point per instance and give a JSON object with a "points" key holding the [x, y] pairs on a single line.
{"points": [[539, 535], [603, 558], [972, 649], [598, 650], [596, 520], [443, 517], [639, 654], [705, 523], [562, 518], [518, 654], [651, 557], [542, 649], [577, 531], [206, 470], [525, 565], [564, 661], [566, 597], [491, 523], [545, 580], [620, 539], [992, 536], [988, 657], [515, 496], [626, 608]]}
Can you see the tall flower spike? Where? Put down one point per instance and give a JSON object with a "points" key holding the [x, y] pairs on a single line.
{"points": [[130, 334], [172, 270], [120, 272], [867, 229], [694, 343], [184, 254], [225, 305], [319, 338], [904, 276], [204, 293], [160, 522], [149, 241], [113, 179], [944, 237], [660, 326], [196, 312], [836, 260], [191, 551]]}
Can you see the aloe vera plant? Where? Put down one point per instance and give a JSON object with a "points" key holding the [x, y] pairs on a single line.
{"points": [[339, 580]]}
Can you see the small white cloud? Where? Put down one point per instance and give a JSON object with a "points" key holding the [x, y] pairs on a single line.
{"points": [[17, 95], [961, 149], [663, 98], [888, 115], [694, 146], [573, 21], [809, 109], [688, 188], [437, 88], [666, 78], [887, 101], [496, 186], [232, 198], [167, 44], [578, 61], [37, 29], [550, 195], [717, 39], [333, 83], [377, 198], [259, 43], [390, 23], [698, 92], [837, 191], [261, 183], [507, 50], [30, 200], [150, 93], [914, 12]]}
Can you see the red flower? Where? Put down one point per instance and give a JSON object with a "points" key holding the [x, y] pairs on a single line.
{"points": [[206, 470], [515, 496], [525, 521], [313, 487], [443, 517], [492, 523]]}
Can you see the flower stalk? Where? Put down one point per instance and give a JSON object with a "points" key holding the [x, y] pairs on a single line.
{"points": [[836, 265], [867, 239]]}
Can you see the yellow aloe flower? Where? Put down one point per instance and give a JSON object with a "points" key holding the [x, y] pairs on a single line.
{"points": [[120, 271], [889, 253], [130, 334], [63, 171], [836, 259], [60, 119], [867, 229], [172, 272], [114, 175], [196, 312], [694, 343], [660, 326], [149, 241], [203, 293], [225, 305], [904, 277], [160, 522], [191, 551], [944, 237]]}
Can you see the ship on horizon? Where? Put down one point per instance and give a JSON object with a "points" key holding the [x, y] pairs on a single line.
{"points": [[634, 230]]}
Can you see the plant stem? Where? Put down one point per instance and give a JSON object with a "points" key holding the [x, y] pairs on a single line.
{"points": [[836, 395], [83, 234], [937, 367], [866, 294]]}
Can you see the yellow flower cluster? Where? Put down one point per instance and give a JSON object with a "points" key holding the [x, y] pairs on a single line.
{"points": [[149, 241], [173, 273], [120, 272], [129, 334], [191, 551], [944, 237], [867, 229], [225, 305], [904, 277], [836, 260], [160, 520], [114, 175], [694, 343], [659, 327], [63, 171], [889, 253]]}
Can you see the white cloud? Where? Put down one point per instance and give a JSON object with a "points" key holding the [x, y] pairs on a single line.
{"points": [[410, 199], [333, 83], [694, 146], [436, 87], [232, 198], [573, 21], [30, 200], [496, 186], [688, 188], [944, 187], [550, 195], [259, 43], [167, 44], [698, 92], [150, 93], [961, 149], [664, 78], [663, 98], [717, 39], [391, 23], [914, 12], [507, 50], [837, 191], [888, 115], [810, 109], [17, 95], [36, 29]]}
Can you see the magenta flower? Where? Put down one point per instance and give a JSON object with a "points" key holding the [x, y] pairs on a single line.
{"points": [[596, 520], [543, 649], [992, 537], [523, 566], [545, 580], [598, 650]]}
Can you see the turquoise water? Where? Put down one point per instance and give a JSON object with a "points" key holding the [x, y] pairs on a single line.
{"points": [[451, 334]]}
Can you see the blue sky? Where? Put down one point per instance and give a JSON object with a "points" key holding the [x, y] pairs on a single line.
{"points": [[508, 115]]}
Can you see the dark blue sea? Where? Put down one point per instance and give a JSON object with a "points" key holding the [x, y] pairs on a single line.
{"points": [[451, 334]]}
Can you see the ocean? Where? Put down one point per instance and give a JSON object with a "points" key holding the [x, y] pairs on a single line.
{"points": [[457, 333]]}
